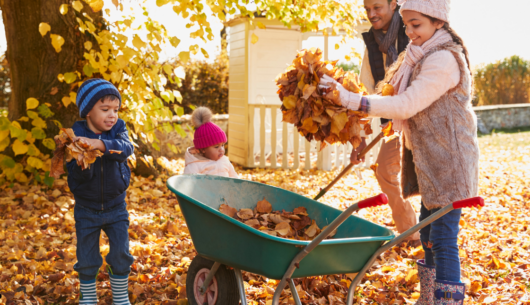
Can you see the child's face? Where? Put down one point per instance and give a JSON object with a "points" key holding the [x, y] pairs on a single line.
{"points": [[103, 115], [419, 27], [214, 152]]}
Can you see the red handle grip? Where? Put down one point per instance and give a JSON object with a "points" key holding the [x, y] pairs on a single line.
{"points": [[470, 202], [374, 201]]}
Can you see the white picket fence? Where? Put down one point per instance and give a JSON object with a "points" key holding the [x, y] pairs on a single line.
{"points": [[291, 148]]}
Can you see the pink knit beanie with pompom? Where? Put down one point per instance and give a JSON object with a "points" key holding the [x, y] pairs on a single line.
{"points": [[438, 9], [206, 132]]}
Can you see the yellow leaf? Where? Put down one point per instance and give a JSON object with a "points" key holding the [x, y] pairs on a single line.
{"points": [[337, 46], [31, 103], [57, 41], [70, 77], [21, 177], [95, 5], [44, 28], [63, 9], [88, 45], [19, 148], [77, 5], [4, 143], [184, 56], [35, 162], [289, 102], [388, 269], [138, 42], [174, 41], [66, 101], [38, 122], [4, 134], [205, 53], [260, 25], [254, 38], [60, 77]]}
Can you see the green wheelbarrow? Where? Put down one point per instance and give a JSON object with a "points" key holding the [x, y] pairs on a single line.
{"points": [[227, 246]]}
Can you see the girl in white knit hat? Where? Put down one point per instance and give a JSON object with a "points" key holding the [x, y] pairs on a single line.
{"points": [[432, 108]]}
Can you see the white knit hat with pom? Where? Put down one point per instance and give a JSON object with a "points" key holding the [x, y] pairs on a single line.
{"points": [[438, 9]]}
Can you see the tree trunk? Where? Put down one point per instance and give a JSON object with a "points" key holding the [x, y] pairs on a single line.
{"points": [[34, 64]]}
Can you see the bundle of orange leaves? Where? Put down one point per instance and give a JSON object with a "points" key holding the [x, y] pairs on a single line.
{"points": [[293, 225], [316, 112], [71, 147]]}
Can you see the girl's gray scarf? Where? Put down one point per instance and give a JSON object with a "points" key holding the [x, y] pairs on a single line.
{"points": [[387, 42]]}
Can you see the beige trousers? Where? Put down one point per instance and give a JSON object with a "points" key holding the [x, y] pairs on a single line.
{"points": [[388, 174]]}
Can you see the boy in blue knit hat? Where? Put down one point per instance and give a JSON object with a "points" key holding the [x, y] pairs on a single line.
{"points": [[100, 191]]}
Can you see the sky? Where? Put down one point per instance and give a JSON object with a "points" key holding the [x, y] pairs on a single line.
{"points": [[491, 29]]}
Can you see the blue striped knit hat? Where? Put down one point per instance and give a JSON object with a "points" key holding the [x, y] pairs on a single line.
{"points": [[91, 91]]}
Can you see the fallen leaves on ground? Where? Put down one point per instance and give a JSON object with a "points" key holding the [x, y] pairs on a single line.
{"points": [[317, 112], [70, 147], [292, 225], [38, 243]]}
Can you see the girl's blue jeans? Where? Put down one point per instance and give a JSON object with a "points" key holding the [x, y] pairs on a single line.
{"points": [[88, 226], [439, 240]]}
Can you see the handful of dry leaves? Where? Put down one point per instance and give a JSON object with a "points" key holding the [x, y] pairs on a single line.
{"points": [[318, 113], [67, 144], [292, 225]]}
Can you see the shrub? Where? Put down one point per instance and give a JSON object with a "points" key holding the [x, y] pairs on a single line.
{"points": [[503, 82], [205, 84], [349, 66]]}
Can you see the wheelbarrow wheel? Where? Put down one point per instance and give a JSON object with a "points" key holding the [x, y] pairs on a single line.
{"points": [[222, 290]]}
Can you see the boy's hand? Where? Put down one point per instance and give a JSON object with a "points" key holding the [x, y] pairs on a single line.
{"points": [[97, 144]]}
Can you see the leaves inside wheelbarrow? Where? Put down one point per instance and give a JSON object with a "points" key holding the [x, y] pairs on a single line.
{"points": [[293, 225]]}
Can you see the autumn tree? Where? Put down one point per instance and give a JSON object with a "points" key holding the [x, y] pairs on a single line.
{"points": [[54, 45]]}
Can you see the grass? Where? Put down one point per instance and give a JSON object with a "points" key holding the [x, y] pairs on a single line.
{"points": [[507, 138]]}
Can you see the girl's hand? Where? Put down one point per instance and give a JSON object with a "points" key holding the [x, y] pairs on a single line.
{"points": [[95, 143], [356, 152], [347, 98]]}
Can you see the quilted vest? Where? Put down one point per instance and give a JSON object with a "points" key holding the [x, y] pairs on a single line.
{"points": [[441, 162]]}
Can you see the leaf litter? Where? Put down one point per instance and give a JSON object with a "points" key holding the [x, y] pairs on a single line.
{"points": [[292, 225], [38, 243]]}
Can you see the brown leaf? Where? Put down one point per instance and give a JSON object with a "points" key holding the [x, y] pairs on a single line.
{"points": [[54, 278], [264, 206], [245, 214], [283, 228], [54, 91], [253, 223], [312, 230], [300, 211], [227, 210]]}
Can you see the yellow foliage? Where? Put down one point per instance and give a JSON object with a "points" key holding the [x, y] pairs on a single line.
{"points": [[32, 103], [77, 5], [254, 38], [44, 28], [63, 9], [57, 41], [19, 148]]}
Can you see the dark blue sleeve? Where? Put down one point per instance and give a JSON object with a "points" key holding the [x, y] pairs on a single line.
{"points": [[121, 142], [77, 173]]}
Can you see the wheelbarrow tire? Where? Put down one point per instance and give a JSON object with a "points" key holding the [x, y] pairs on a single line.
{"points": [[227, 289]]}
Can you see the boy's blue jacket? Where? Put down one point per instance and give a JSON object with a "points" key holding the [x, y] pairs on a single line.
{"points": [[104, 184]]}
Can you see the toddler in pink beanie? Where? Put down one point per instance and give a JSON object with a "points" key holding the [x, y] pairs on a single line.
{"points": [[207, 157]]}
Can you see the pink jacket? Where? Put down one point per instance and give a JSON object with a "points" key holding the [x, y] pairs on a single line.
{"points": [[197, 164]]}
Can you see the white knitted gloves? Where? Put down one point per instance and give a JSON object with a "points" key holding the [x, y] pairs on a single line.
{"points": [[347, 98]]}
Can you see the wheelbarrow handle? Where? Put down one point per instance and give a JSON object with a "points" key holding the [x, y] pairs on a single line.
{"points": [[370, 202], [466, 203], [349, 166]]}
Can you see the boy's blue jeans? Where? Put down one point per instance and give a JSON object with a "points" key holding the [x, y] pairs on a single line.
{"points": [[88, 226], [439, 241]]}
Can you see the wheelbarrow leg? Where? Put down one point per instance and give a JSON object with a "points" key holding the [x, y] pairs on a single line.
{"points": [[471, 202], [241, 286], [209, 278], [294, 293]]}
